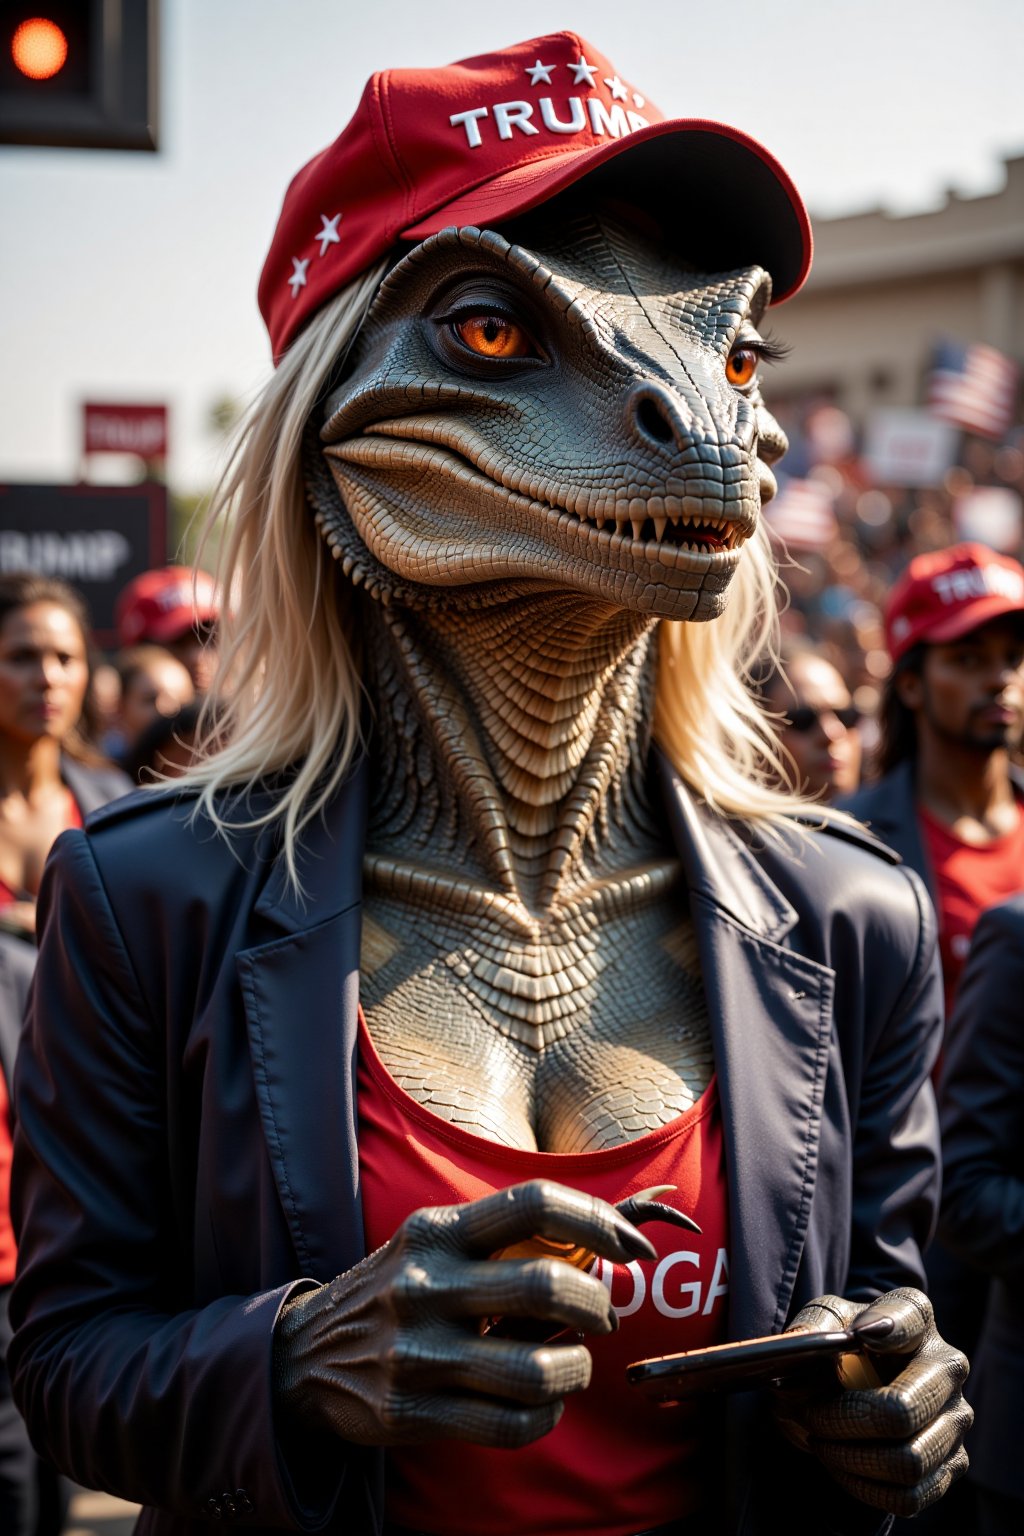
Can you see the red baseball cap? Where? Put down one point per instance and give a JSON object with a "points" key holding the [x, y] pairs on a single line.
{"points": [[162, 605], [481, 140], [942, 596]]}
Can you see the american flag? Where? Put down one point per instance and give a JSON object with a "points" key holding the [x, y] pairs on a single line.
{"points": [[974, 387], [802, 515]]}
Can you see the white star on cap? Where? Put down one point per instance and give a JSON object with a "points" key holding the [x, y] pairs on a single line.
{"points": [[584, 71], [329, 233], [638, 100], [538, 71], [298, 277], [616, 87]]}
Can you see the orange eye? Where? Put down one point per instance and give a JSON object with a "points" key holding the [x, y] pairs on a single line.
{"points": [[493, 336], [741, 366]]}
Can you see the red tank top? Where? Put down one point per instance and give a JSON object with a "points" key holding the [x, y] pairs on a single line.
{"points": [[616, 1463], [8, 1249]]}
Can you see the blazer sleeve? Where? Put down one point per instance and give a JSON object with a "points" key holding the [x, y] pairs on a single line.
{"points": [[123, 1385], [981, 1099]]}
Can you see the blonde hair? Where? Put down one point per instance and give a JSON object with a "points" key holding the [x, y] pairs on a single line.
{"points": [[709, 719], [288, 689]]}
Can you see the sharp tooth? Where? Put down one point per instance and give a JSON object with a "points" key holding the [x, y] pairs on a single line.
{"points": [[659, 527], [638, 523]]}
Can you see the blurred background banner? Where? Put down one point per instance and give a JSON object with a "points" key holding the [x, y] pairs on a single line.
{"points": [[908, 447], [96, 537], [136, 429]]}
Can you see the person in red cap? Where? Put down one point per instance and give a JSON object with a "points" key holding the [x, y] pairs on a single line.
{"points": [[951, 803], [175, 607], [481, 936], [949, 799]]}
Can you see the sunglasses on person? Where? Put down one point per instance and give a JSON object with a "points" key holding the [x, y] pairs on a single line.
{"points": [[806, 718]]}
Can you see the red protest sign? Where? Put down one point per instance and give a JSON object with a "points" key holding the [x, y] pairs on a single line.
{"points": [[139, 429]]}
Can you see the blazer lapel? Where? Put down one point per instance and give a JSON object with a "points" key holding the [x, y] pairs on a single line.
{"points": [[771, 1017], [301, 997]]}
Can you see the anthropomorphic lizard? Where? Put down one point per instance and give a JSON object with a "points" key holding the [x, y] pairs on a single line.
{"points": [[375, 1028], [547, 440]]}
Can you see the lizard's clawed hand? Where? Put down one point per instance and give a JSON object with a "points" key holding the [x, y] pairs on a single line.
{"points": [[391, 1352], [898, 1445]]}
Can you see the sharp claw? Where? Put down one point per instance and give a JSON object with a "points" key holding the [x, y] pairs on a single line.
{"points": [[643, 1207]]}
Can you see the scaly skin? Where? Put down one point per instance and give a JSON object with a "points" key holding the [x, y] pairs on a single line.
{"points": [[519, 529]]}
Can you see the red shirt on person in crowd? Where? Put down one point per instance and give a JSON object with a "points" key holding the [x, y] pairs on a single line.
{"points": [[968, 878]]}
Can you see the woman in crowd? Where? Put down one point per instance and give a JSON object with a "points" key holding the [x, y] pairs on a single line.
{"points": [[819, 724], [50, 777]]}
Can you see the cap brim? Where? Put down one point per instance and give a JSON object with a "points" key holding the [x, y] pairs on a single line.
{"points": [[717, 194], [973, 617], [171, 626]]}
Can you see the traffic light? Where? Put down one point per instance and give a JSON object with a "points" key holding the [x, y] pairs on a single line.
{"points": [[79, 73]]}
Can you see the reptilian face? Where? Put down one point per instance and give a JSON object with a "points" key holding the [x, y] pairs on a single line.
{"points": [[579, 411]]}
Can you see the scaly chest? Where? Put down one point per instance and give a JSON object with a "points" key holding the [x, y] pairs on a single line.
{"points": [[587, 1032]]}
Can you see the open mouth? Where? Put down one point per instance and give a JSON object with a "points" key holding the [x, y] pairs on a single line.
{"points": [[670, 526], [676, 528]]}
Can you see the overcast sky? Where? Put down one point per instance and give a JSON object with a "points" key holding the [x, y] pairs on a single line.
{"points": [[133, 276]]}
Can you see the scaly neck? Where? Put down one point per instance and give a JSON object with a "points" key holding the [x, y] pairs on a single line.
{"points": [[512, 738]]}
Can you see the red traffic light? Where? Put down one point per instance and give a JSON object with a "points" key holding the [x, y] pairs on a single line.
{"points": [[79, 74], [39, 48]]}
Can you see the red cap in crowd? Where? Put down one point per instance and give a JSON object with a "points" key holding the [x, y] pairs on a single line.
{"points": [[487, 138], [943, 595], [162, 605]]}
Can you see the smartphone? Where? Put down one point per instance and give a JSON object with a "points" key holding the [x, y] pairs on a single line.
{"points": [[738, 1367]]}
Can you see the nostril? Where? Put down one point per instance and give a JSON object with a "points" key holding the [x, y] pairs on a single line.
{"points": [[652, 421]]}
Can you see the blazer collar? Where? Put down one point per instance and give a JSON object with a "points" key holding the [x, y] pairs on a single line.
{"points": [[718, 864], [329, 859]]}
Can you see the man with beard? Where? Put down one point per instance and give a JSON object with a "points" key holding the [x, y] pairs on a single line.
{"points": [[953, 712], [950, 803]]}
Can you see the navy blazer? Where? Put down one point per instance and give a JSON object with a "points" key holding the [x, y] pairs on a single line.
{"points": [[983, 1195], [196, 1023]]}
